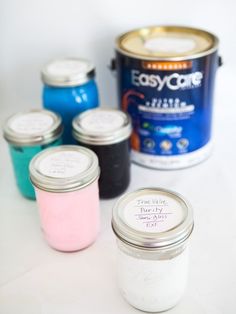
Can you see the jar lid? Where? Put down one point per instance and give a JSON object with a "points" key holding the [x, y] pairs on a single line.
{"points": [[67, 72], [102, 126], [152, 218], [64, 168], [167, 43], [33, 127]]}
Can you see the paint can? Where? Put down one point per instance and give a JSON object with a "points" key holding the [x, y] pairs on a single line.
{"points": [[166, 78]]}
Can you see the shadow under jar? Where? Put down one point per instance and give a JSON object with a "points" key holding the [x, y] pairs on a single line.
{"points": [[152, 226], [66, 185], [27, 134], [107, 133]]}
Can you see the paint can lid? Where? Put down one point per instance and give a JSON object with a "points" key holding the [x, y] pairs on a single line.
{"points": [[167, 43]]}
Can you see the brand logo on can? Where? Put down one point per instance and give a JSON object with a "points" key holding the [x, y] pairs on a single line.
{"points": [[174, 81]]}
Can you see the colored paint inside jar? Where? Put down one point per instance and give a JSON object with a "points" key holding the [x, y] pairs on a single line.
{"points": [[107, 133], [28, 134], [66, 184], [69, 89]]}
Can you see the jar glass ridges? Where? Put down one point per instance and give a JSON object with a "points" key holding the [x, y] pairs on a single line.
{"points": [[27, 134], [66, 184], [152, 227], [69, 89], [107, 132]]}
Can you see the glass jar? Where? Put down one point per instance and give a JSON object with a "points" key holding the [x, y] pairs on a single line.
{"points": [[152, 227], [69, 89], [27, 134], [107, 132], [66, 185]]}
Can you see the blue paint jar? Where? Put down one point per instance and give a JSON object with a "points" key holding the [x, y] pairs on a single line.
{"points": [[69, 89], [27, 134]]}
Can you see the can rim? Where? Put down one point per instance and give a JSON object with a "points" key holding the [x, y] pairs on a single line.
{"points": [[73, 80], [170, 58], [66, 184], [152, 240], [107, 138], [48, 136]]}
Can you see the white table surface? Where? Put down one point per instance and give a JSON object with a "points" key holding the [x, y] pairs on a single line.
{"points": [[36, 279]]}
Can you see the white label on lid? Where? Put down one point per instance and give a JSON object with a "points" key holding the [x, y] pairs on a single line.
{"points": [[153, 213], [64, 164], [67, 67], [102, 121], [31, 123], [170, 44]]}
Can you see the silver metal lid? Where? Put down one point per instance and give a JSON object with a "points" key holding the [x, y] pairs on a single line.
{"points": [[102, 126], [67, 72], [33, 127], [152, 218], [64, 168]]}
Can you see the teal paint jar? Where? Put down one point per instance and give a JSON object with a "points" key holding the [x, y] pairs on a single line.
{"points": [[27, 134]]}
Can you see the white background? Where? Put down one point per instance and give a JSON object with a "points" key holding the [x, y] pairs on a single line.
{"points": [[34, 278]]}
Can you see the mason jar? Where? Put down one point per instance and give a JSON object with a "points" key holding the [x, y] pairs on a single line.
{"points": [[27, 134], [152, 227], [69, 89], [66, 185], [107, 133]]}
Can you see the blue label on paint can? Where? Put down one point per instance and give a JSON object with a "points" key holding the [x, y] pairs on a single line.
{"points": [[170, 103]]}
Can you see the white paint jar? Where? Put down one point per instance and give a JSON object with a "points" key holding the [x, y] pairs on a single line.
{"points": [[152, 227]]}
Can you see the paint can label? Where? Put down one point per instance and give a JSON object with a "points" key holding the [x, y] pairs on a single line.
{"points": [[170, 103]]}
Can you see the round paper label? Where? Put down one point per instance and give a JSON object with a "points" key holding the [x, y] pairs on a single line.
{"points": [[102, 121], [170, 44], [31, 123], [67, 67], [153, 213], [64, 164]]}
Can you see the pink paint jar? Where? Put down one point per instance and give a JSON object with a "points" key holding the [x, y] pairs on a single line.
{"points": [[65, 179]]}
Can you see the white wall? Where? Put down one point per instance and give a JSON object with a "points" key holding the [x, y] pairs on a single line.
{"points": [[33, 32]]}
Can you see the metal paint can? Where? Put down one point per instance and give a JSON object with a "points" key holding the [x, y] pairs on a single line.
{"points": [[166, 78]]}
